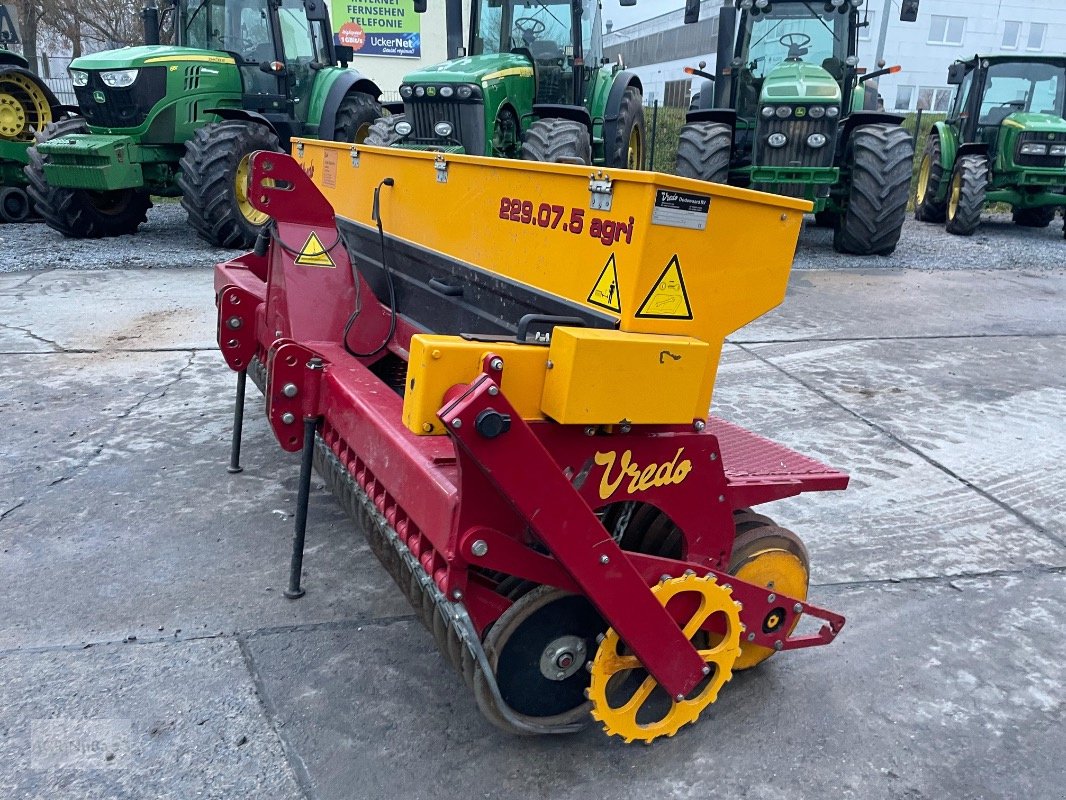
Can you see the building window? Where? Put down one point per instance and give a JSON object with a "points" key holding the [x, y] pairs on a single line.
{"points": [[675, 94], [1011, 32], [946, 30], [1036, 36], [866, 32], [934, 98], [904, 95]]}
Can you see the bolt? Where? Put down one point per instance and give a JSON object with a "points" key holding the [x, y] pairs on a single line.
{"points": [[457, 423], [493, 390], [550, 364], [560, 675], [679, 697], [496, 364], [435, 354], [232, 342], [605, 559], [235, 299], [771, 597], [277, 334], [626, 427], [721, 498], [714, 456], [234, 322], [580, 647], [688, 572], [784, 217], [288, 418], [587, 694], [290, 390], [751, 636], [778, 645], [427, 427], [314, 363], [797, 608], [699, 425], [590, 430], [599, 638], [457, 594], [479, 548], [664, 578], [706, 669]]}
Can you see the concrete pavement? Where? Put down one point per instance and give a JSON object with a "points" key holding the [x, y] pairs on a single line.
{"points": [[146, 651]]}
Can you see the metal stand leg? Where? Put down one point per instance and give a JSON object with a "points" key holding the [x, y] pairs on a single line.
{"points": [[296, 565], [238, 425]]}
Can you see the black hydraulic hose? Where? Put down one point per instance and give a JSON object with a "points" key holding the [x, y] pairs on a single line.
{"points": [[376, 214]]}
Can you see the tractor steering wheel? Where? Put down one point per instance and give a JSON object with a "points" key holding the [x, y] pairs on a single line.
{"points": [[795, 42], [530, 26]]}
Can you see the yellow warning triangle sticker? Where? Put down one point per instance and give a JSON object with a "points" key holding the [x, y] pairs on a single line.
{"points": [[668, 298], [605, 293], [314, 253]]}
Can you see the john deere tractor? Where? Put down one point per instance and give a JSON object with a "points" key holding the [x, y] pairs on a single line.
{"points": [[787, 111], [533, 86], [245, 75], [27, 105], [1004, 141]]}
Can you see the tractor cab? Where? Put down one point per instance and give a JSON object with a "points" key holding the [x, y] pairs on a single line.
{"points": [[557, 36], [278, 46]]}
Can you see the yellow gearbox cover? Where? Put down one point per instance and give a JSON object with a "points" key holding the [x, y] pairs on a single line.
{"points": [[438, 363], [606, 377]]}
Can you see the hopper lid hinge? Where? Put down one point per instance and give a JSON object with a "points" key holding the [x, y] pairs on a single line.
{"points": [[600, 191]]}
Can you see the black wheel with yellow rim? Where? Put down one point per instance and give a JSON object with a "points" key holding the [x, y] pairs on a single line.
{"points": [[930, 174], [966, 194], [627, 149], [215, 179]]}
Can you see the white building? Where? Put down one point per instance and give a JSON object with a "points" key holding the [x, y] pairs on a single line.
{"points": [[658, 49]]}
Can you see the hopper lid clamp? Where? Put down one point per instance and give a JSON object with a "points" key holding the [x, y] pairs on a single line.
{"points": [[354, 155], [600, 191], [441, 166]]}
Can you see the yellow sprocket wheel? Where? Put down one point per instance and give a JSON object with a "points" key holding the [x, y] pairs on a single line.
{"points": [[24, 107], [629, 702]]}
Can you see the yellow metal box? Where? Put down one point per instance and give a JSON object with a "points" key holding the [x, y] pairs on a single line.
{"points": [[604, 377], [438, 363]]}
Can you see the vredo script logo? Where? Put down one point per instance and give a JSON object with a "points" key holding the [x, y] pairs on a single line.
{"points": [[640, 478]]}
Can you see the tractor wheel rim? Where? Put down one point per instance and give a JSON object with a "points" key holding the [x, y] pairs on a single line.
{"points": [[956, 190], [31, 102], [923, 178], [635, 150], [242, 180]]}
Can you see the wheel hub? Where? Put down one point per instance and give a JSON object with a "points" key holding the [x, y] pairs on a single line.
{"points": [[562, 658]]}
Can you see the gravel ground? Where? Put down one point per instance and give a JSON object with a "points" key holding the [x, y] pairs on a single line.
{"points": [[167, 241]]}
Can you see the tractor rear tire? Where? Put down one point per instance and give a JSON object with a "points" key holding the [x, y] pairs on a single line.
{"points": [[382, 132], [211, 169], [703, 151], [966, 195], [629, 146], [15, 205], [879, 158], [357, 112], [930, 174], [557, 141], [81, 213], [1039, 217]]}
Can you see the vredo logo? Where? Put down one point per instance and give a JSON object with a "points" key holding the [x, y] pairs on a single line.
{"points": [[640, 478]]}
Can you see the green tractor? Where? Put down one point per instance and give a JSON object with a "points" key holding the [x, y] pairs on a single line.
{"points": [[245, 75], [789, 111], [534, 85], [27, 106], [1004, 141]]}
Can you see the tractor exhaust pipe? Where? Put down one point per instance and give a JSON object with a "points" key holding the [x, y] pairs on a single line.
{"points": [[150, 16]]}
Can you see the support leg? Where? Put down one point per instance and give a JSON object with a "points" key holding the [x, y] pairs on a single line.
{"points": [[296, 565], [238, 425]]}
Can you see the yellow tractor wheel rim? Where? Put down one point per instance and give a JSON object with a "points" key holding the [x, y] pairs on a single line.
{"points": [[956, 191], [923, 178], [242, 180], [635, 150], [786, 574], [24, 107]]}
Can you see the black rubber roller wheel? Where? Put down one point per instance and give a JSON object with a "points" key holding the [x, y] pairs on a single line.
{"points": [[879, 167], [558, 141], [703, 151], [356, 114], [15, 205], [81, 213], [966, 195], [215, 177]]}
